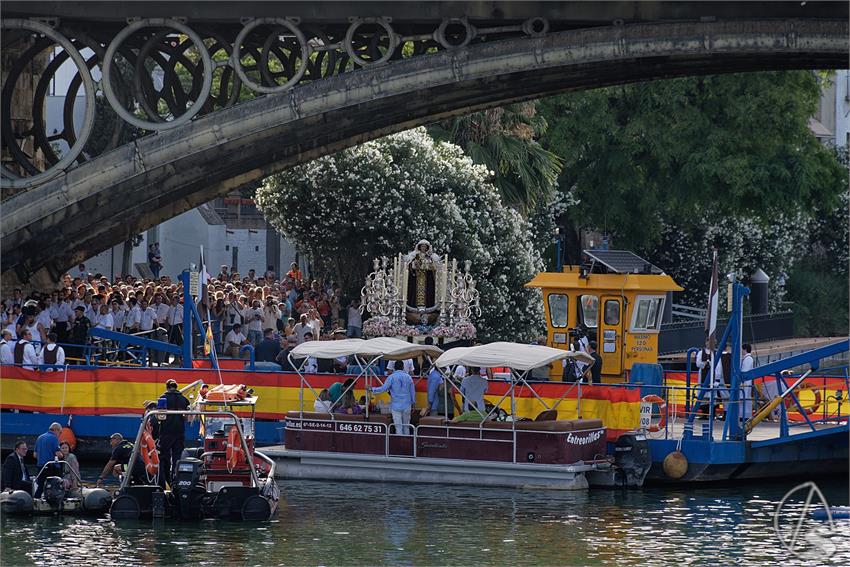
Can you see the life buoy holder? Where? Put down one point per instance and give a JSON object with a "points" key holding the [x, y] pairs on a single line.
{"points": [[791, 406], [234, 453], [149, 454], [662, 410]]}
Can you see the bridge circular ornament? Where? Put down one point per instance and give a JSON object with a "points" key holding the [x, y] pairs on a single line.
{"points": [[535, 27], [10, 179], [129, 117], [469, 32], [236, 55], [349, 40]]}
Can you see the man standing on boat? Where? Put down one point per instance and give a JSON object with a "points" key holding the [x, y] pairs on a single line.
{"points": [[47, 449], [172, 432], [595, 369], [747, 364], [403, 397]]}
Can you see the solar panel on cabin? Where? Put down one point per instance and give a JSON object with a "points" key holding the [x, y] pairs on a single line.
{"points": [[622, 261]]}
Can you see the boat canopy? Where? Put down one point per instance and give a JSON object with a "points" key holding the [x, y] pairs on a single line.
{"points": [[327, 349], [513, 355], [386, 347]]}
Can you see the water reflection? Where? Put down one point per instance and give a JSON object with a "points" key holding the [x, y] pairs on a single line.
{"points": [[357, 523]]}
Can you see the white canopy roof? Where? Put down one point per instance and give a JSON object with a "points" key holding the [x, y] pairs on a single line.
{"points": [[387, 347], [397, 349], [327, 349], [513, 355]]}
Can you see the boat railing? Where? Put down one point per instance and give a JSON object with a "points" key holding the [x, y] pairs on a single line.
{"points": [[830, 406], [66, 468]]}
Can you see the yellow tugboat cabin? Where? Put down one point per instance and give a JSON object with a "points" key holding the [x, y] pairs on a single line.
{"points": [[615, 298]]}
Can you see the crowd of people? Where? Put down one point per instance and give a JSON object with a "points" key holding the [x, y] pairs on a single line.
{"points": [[240, 310]]}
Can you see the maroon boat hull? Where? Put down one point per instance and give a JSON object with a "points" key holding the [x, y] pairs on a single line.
{"points": [[545, 442]]}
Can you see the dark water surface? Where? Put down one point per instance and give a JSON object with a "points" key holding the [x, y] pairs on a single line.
{"points": [[326, 523]]}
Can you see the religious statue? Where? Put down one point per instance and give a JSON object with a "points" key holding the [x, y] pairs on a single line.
{"points": [[422, 269], [420, 294]]}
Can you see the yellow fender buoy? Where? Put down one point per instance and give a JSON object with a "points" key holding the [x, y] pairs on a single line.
{"points": [[675, 465], [67, 435]]}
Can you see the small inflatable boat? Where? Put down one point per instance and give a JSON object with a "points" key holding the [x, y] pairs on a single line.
{"points": [[55, 499]]}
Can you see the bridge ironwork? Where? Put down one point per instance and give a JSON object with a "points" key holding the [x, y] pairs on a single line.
{"points": [[216, 103]]}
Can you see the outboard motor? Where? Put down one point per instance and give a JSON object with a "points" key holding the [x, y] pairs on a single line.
{"points": [[54, 491], [632, 459], [188, 489]]}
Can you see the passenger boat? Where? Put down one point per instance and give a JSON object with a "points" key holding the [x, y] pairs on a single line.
{"points": [[56, 499], [546, 452], [225, 478]]}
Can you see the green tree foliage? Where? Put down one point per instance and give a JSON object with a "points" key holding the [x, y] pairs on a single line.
{"points": [[504, 139], [640, 155], [817, 285], [381, 197]]}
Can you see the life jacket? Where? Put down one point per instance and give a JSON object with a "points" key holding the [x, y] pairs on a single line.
{"points": [[19, 351], [50, 355]]}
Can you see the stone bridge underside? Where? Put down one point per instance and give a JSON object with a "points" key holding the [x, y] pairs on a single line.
{"points": [[89, 208]]}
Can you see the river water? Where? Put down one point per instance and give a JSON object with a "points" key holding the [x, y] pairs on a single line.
{"points": [[326, 523]]}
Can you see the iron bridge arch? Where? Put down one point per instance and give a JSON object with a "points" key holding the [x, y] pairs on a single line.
{"points": [[87, 208]]}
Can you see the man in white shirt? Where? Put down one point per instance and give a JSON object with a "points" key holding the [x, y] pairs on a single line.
{"points": [[93, 309], [24, 351], [315, 322], [118, 316], [105, 319], [254, 321], [747, 363], [147, 318], [6, 356], [302, 328], [355, 320], [175, 322], [161, 309], [233, 341], [51, 353], [134, 317], [62, 316], [43, 322]]}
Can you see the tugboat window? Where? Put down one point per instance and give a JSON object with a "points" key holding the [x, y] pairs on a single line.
{"points": [[612, 312], [558, 309], [589, 310], [647, 313]]}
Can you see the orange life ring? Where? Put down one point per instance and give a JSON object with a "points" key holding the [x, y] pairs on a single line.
{"points": [[149, 453], [662, 407], [234, 450], [789, 404]]}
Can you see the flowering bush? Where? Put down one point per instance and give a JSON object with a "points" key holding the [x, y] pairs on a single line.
{"points": [[744, 244], [381, 197]]}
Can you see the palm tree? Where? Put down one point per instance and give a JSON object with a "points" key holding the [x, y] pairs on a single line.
{"points": [[504, 139]]}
